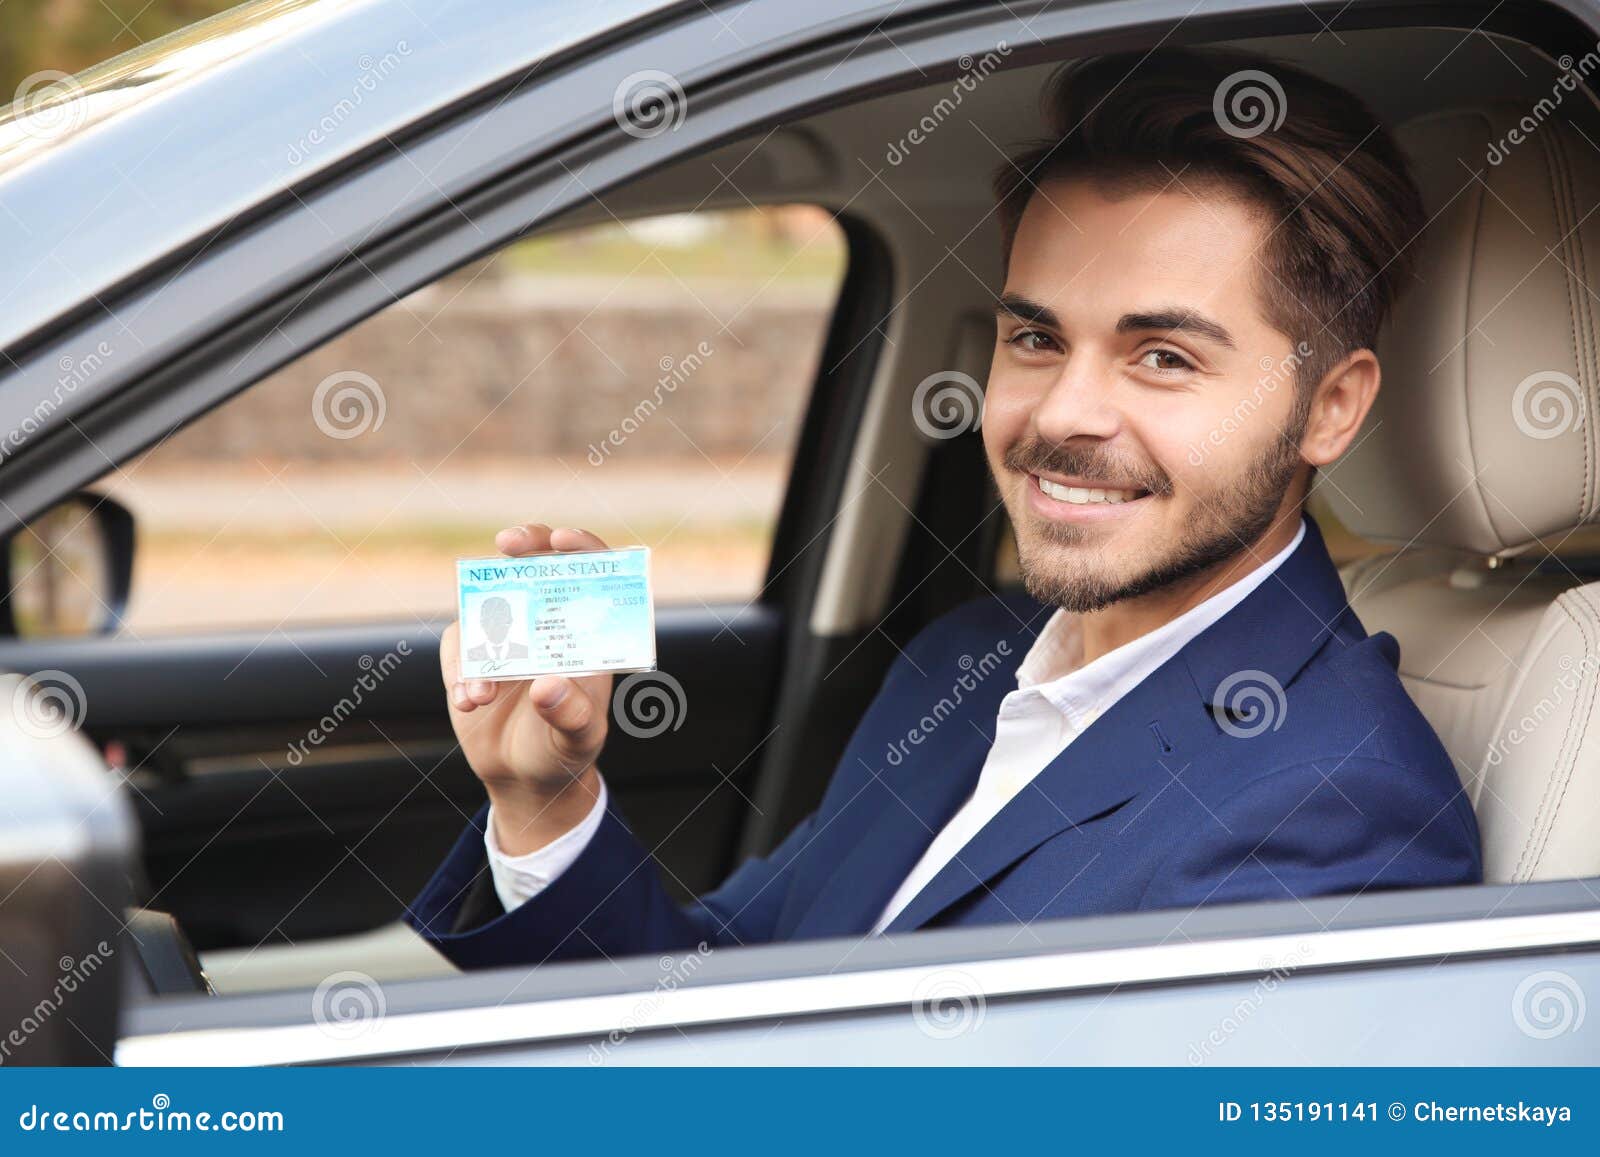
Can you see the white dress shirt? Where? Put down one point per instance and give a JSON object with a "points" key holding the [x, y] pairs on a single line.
{"points": [[1057, 697], [519, 878]]}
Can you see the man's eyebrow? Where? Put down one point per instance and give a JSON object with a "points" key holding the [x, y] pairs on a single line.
{"points": [[1172, 319], [1025, 309], [1175, 319]]}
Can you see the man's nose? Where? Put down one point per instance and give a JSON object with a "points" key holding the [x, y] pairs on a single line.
{"points": [[1082, 402]]}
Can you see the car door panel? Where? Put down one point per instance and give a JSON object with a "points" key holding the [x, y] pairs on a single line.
{"points": [[254, 832]]}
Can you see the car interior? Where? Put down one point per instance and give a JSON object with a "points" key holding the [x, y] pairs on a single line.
{"points": [[1459, 532]]}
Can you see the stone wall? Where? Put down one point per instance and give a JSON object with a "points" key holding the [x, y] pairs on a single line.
{"points": [[584, 367]]}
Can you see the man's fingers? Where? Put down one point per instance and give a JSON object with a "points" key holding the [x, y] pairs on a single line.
{"points": [[569, 538], [537, 538], [481, 692], [471, 694], [564, 706], [455, 688], [529, 538], [450, 654]]}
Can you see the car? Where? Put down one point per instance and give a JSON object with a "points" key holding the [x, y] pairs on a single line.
{"points": [[220, 208]]}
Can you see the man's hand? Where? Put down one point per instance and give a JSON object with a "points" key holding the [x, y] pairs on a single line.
{"points": [[532, 742]]}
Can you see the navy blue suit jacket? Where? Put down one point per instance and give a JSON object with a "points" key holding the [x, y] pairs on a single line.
{"points": [[1181, 793]]}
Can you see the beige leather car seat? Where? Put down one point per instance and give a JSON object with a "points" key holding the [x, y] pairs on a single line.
{"points": [[1480, 463]]}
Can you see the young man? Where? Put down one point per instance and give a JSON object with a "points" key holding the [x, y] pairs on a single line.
{"points": [[1185, 334]]}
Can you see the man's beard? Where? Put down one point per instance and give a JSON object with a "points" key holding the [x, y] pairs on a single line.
{"points": [[1227, 523]]}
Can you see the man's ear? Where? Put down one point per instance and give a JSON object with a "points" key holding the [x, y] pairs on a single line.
{"points": [[1339, 406]]}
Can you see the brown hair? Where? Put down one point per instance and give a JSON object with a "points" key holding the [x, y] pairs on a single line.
{"points": [[1340, 205]]}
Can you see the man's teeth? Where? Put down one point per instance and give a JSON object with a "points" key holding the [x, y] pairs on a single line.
{"points": [[1082, 495]]}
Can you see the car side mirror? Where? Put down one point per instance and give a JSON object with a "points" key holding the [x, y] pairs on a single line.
{"points": [[68, 840], [68, 571]]}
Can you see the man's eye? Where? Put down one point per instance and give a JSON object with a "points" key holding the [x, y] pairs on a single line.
{"points": [[1166, 361], [1032, 339]]}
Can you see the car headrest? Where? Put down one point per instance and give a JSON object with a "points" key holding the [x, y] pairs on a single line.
{"points": [[1484, 435]]}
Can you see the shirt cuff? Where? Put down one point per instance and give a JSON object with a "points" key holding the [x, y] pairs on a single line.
{"points": [[518, 879]]}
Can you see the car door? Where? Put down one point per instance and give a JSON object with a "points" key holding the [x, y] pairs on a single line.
{"points": [[272, 690]]}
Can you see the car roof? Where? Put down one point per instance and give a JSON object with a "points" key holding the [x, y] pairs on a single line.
{"points": [[147, 154]]}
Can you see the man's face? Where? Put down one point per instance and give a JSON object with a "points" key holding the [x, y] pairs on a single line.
{"points": [[495, 618], [1141, 426]]}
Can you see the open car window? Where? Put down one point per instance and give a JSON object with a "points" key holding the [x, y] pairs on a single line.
{"points": [[645, 380]]}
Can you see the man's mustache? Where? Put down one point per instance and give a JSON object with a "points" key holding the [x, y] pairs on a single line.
{"points": [[1037, 456]]}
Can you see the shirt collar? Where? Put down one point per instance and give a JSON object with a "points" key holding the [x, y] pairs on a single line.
{"points": [[1054, 668]]}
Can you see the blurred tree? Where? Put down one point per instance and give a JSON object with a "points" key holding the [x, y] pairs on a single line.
{"points": [[70, 35]]}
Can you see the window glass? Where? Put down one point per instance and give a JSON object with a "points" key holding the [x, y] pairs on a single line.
{"points": [[644, 381]]}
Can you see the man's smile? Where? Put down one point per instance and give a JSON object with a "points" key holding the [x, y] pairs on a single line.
{"points": [[1071, 498]]}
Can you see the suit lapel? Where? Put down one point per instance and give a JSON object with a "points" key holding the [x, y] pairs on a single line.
{"points": [[906, 812], [1134, 748]]}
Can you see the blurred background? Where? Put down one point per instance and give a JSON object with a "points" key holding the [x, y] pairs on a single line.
{"points": [[642, 379], [645, 381], [70, 35]]}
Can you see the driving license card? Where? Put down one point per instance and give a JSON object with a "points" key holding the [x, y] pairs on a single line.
{"points": [[574, 612]]}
